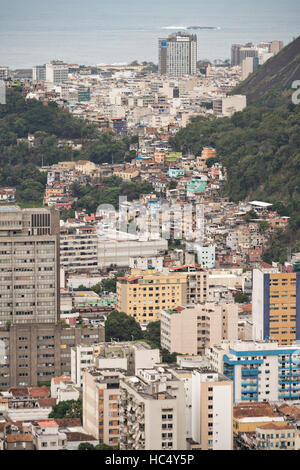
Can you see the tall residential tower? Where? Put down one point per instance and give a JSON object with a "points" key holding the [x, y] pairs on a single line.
{"points": [[29, 265], [178, 54], [276, 306]]}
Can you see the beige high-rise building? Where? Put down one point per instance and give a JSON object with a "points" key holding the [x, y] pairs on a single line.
{"points": [[29, 265], [276, 46], [212, 411], [101, 389], [152, 411], [192, 328], [144, 294]]}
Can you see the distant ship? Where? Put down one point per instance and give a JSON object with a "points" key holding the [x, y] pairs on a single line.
{"points": [[174, 27], [202, 27]]}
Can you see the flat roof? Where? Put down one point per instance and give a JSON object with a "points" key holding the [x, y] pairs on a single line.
{"points": [[276, 425], [260, 204], [47, 423], [254, 410]]}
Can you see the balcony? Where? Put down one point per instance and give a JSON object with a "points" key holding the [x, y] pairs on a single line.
{"points": [[250, 390], [249, 373]]}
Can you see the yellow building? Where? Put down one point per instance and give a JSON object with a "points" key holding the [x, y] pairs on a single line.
{"points": [[144, 294], [283, 307]]}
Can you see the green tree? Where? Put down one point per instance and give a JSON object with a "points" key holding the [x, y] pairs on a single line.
{"points": [[85, 446], [241, 297], [263, 226], [67, 409], [252, 214], [168, 357], [103, 447], [81, 288], [122, 327], [106, 285], [211, 161], [152, 332]]}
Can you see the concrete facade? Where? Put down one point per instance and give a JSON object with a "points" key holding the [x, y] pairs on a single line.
{"points": [[39, 352], [192, 328], [29, 265]]}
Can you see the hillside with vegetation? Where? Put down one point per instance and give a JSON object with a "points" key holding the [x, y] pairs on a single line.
{"points": [[260, 147], [52, 128]]}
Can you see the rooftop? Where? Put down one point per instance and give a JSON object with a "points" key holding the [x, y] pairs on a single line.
{"points": [[18, 437], [292, 411], [79, 436], [47, 423], [254, 410], [275, 425]]}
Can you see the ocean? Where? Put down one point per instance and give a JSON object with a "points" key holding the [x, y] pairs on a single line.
{"points": [[93, 32]]}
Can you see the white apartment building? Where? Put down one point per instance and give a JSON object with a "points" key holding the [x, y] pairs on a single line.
{"points": [[46, 435], [39, 73], [206, 255], [56, 72], [260, 370], [55, 384], [212, 410], [178, 55], [81, 358], [127, 356], [78, 249], [4, 73], [67, 391], [227, 277], [86, 280], [152, 411]]}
